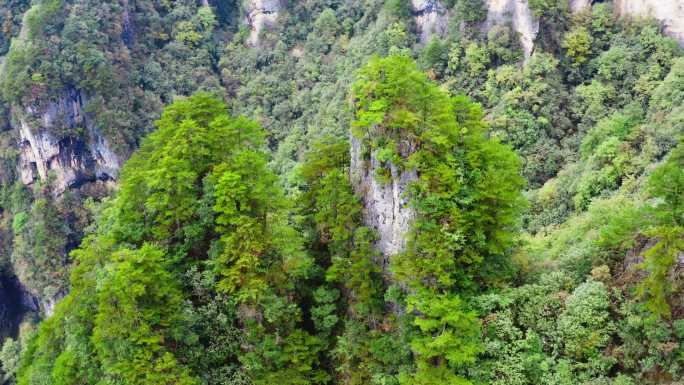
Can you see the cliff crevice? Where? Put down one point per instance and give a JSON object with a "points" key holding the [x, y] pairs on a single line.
{"points": [[260, 15], [71, 160], [386, 205]]}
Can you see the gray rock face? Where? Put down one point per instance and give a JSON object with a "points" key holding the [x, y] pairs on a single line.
{"points": [[519, 14], [73, 161], [386, 206], [260, 14], [431, 17], [669, 12], [48, 307], [579, 5], [128, 30]]}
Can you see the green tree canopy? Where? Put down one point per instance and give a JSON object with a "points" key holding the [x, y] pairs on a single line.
{"points": [[466, 197], [198, 196]]}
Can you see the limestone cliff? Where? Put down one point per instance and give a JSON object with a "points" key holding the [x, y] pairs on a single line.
{"points": [[386, 206], [669, 12], [72, 160], [431, 18], [519, 15], [260, 14], [68, 161]]}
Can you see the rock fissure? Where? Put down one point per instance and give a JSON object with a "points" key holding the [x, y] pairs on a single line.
{"points": [[386, 205], [72, 160], [259, 15]]}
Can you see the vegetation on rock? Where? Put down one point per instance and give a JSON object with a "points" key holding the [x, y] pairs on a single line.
{"points": [[546, 195]]}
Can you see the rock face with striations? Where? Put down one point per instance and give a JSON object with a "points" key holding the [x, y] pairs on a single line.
{"points": [[432, 18], [669, 12], [519, 14], [72, 161], [386, 206], [260, 14]]}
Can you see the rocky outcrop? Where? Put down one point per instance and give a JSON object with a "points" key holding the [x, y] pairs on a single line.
{"points": [[579, 5], [669, 12], [431, 18], [72, 160], [260, 14], [519, 15], [49, 305], [128, 30], [386, 206]]}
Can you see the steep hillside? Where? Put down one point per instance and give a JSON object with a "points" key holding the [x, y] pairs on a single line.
{"points": [[381, 235]]}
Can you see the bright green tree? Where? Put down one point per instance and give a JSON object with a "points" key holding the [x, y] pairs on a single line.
{"points": [[466, 198], [198, 196]]}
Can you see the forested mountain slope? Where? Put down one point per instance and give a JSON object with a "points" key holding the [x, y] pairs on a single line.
{"points": [[342, 192]]}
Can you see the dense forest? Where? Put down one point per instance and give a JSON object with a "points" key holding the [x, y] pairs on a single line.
{"points": [[357, 192]]}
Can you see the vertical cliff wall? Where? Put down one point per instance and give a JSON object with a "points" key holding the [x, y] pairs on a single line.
{"points": [[55, 133], [519, 15], [669, 12], [431, 17], [72, 161], [386, 206], [259, 15], [86, 156]]}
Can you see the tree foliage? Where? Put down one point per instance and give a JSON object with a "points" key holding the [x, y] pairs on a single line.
{"points": [[189, 200], [466, 196]]}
